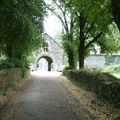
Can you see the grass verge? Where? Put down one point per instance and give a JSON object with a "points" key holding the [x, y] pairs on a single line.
{"points": [[10, 82], [102, 110], [105, 85]]}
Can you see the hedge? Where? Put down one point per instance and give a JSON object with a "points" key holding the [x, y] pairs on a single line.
{"points": [[10, 78], [104, 85]]}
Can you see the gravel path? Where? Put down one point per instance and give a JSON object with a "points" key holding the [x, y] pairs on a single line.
{"points": [[44, 98]]}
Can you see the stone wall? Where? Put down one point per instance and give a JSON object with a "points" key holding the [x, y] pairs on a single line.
{"points": [[99, 61], [95, 61]]}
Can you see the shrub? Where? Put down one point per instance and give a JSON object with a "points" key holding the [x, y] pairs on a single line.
{"points": [[9, 79], [5, 64], [103, 84], [68, 68], [13, 63]]}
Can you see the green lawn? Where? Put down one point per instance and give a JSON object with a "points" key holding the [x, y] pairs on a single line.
{"points": [[116, 75], [113, 69]]}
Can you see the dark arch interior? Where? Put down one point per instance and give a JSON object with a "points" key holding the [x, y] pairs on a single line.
{"points": [[48, 59]]}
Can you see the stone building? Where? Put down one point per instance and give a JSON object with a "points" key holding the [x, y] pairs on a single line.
{"points": [[51, 60]]}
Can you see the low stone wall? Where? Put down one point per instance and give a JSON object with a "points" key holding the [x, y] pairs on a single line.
{"points": [[9, 78], [95, 61]]}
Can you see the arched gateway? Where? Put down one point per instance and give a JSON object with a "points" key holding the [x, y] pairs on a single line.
{"points": [[49, 61], [54, 56]]}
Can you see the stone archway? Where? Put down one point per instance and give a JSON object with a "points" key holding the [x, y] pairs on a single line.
{"points": [[53, 54], [48, 59]]}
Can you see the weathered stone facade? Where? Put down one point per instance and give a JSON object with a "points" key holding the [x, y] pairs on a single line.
{"points": [[54, 56]]}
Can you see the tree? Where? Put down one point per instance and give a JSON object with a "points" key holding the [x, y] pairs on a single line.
{"points": [[20, 29], [60, 11], [116, 11], [90, 24]]}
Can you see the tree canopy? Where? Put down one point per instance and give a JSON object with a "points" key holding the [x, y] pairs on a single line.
{"points": [[21, 27], [92, 25], [86, 24]]}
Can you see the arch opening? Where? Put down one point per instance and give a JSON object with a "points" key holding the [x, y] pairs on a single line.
{"points": [[44, 62]]}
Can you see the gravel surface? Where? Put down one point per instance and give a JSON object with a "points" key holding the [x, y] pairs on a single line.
{"points": [[44, 98]]}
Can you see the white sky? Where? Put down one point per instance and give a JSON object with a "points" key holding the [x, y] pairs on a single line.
{"points": [[52, 25]]}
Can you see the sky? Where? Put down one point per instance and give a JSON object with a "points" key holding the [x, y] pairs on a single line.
{"points": [[52, 24]]}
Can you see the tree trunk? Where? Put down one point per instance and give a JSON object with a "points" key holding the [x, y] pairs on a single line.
{"points": [[71, 58], [82, 42], [116, 11], [81, 54]]}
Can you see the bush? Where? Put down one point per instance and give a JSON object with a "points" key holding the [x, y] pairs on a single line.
{"points": [[5, 64], [9, 79], [68, 68], [103, 84], [13, 63]]}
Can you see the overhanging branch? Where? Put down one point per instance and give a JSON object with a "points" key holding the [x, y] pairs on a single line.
{"points": [[57, 15], [64, 15], [93, 40]]}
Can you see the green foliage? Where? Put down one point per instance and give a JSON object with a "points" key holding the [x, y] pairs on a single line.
{"points": [[112, 68], [111, 41], [98, 11], [14, 63], [103, 84], [68, 68], [59, 9], [66, 43], [6, 64], [92, 26], [21, 29]]}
